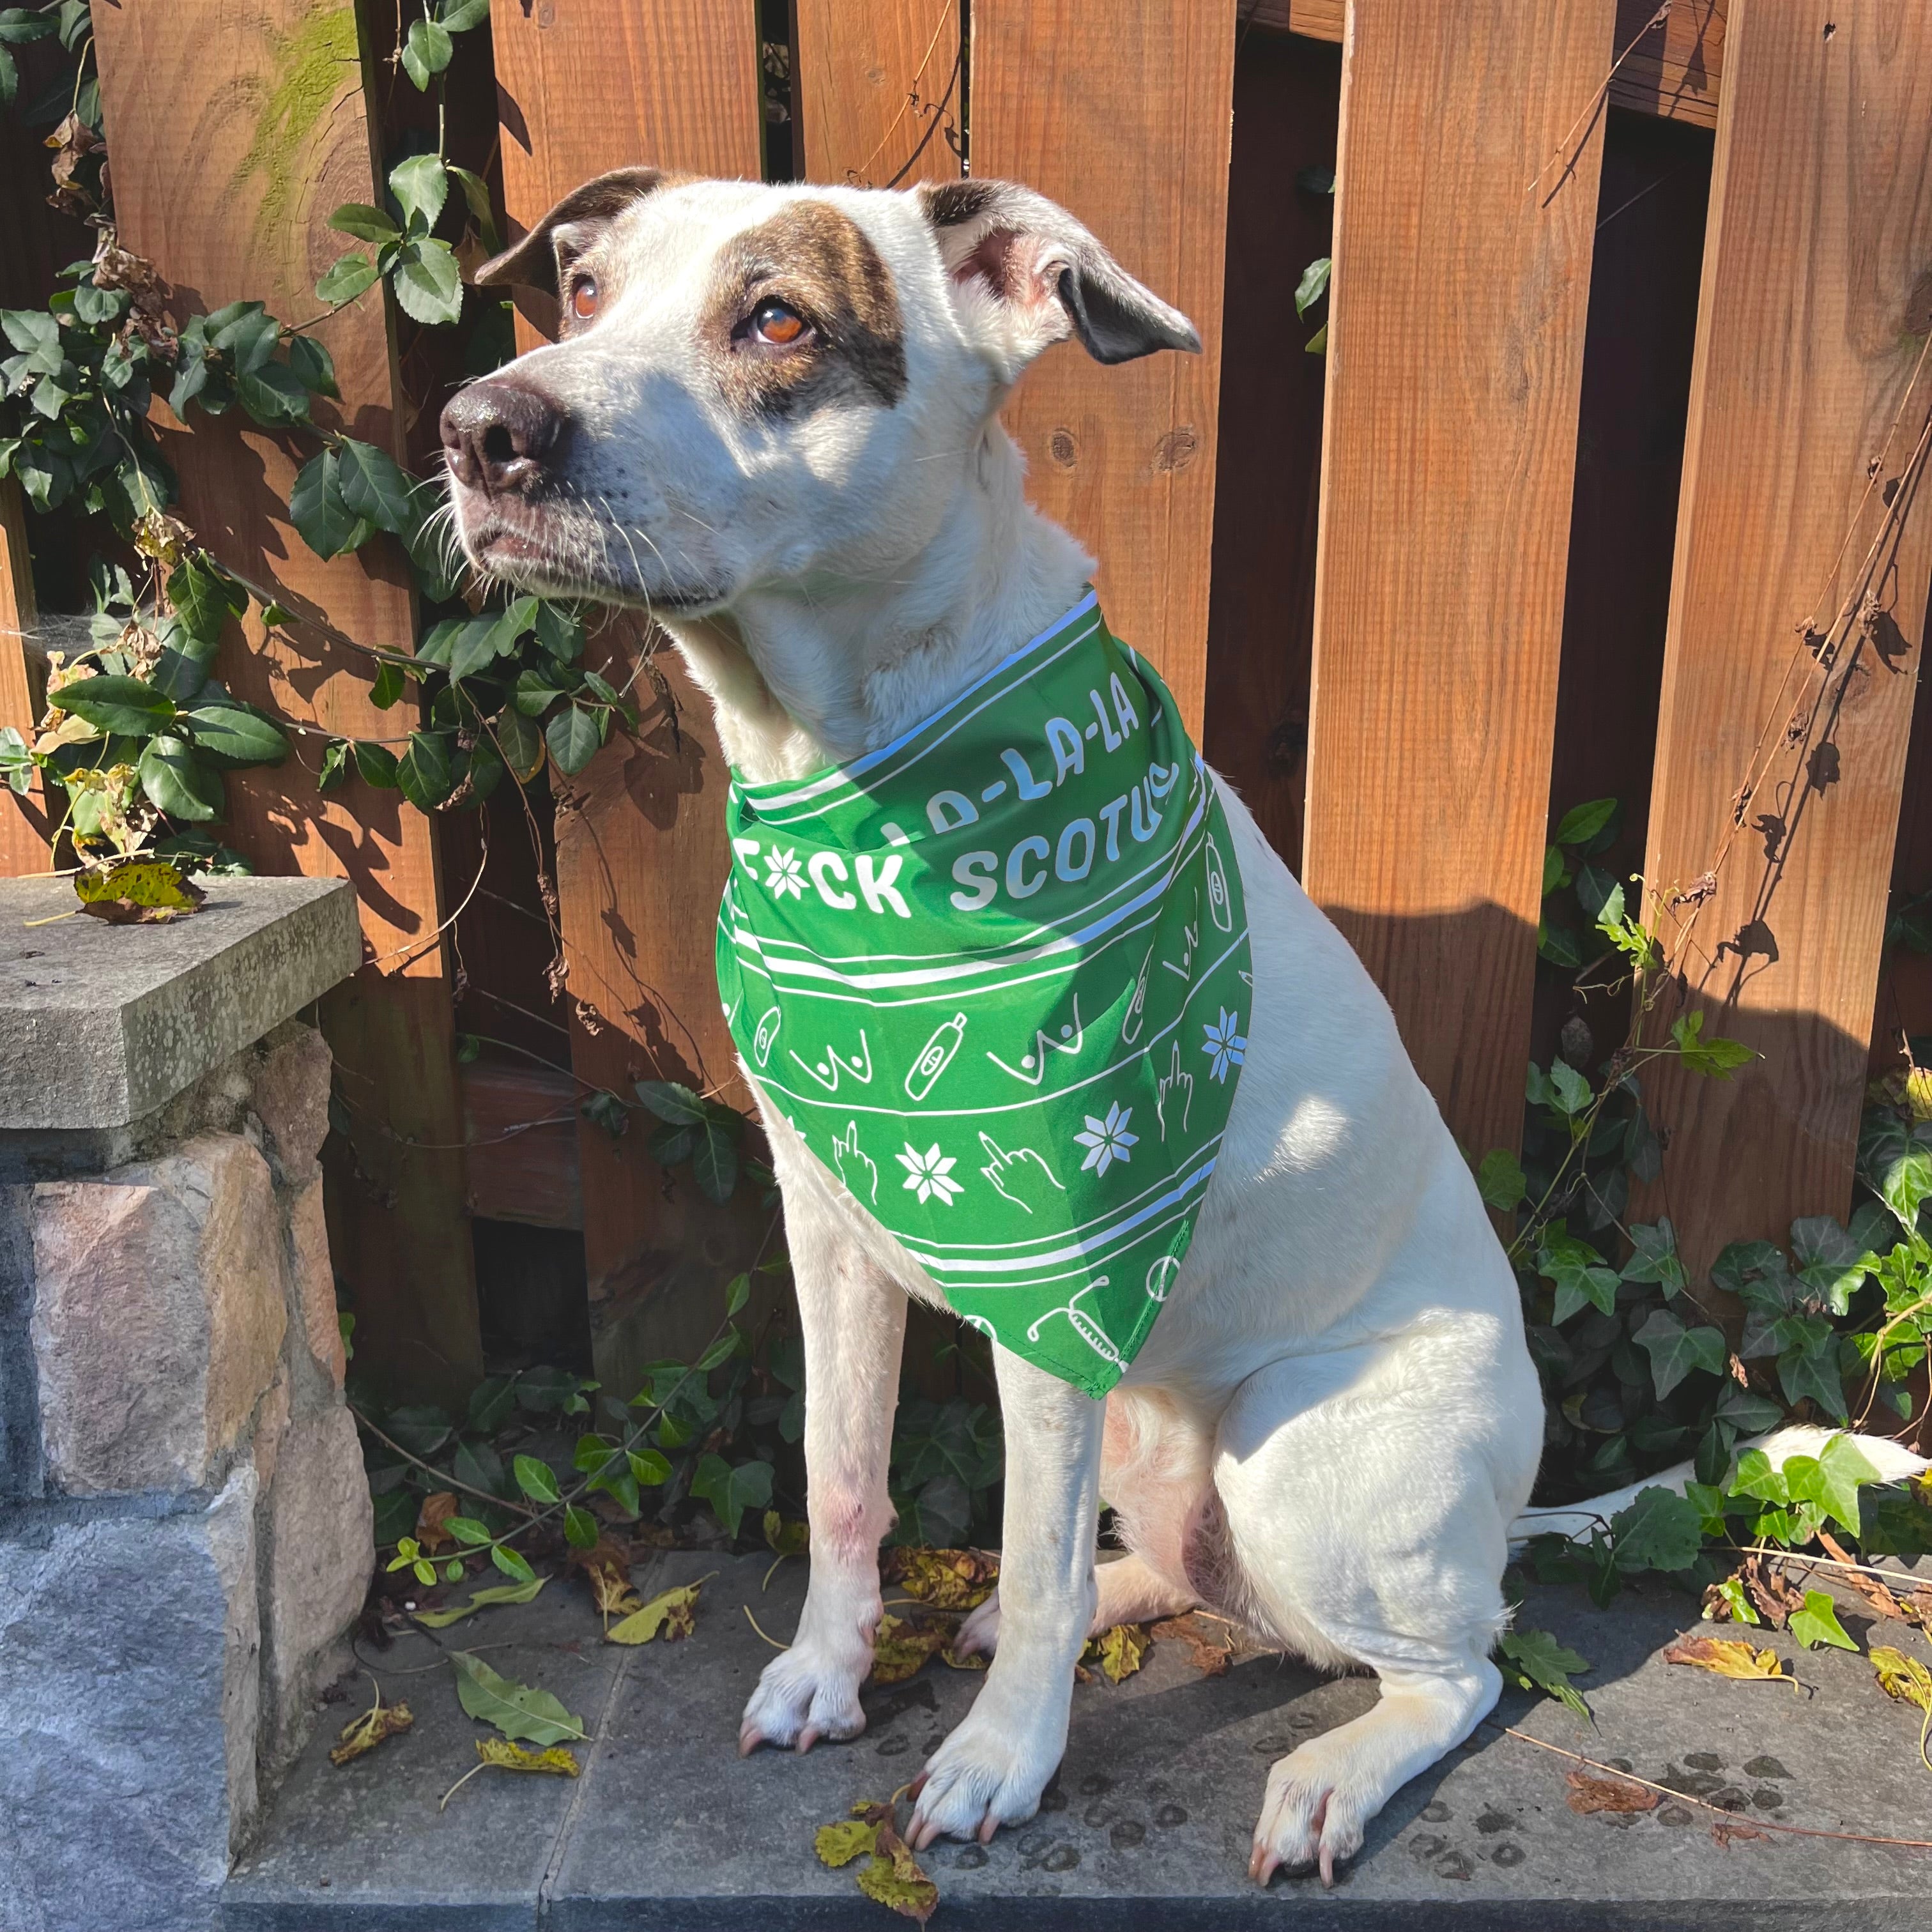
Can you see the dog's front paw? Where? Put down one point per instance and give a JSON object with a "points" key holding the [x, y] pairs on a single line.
{"points": [[990, 1772], [1318, 1805], [810, 1692], [979, 1634]]}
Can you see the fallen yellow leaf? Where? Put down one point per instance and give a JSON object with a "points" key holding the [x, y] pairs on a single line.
{"points": [[903, 1644], [1726, 1656], [507, 1756], [948, 1579], [839, 1844], [1903, 1677], [786, 1537], [1118, 1652], [365, 1732], [671, 1614]]}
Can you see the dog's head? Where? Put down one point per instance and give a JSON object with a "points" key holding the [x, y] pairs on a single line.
{"points": [[756, 385]]}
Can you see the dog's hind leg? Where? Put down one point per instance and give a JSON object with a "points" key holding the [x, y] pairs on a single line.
{"points": [[1155, 1471], [1367, 1504]]}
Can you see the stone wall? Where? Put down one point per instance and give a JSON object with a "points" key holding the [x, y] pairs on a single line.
{"points": [[184, 1524]]}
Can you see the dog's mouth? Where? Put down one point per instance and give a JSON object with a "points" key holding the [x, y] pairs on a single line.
{"points": [[575, 557]]}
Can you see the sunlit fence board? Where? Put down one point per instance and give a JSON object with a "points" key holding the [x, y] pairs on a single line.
{"points": [[1123, 114], [1804, 421], [640, 846], [233, 134], [1467, 201], [878, 88]]}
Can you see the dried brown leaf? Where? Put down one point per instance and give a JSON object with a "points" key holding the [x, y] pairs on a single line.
{"points": [[1588, 1794], [894, 1877], [436, 1511], [1207, 1650], [1775, 1599], [1729, 1831]]}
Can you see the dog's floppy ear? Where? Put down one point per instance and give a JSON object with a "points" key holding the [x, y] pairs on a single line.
{"points": [[1049, 275], [534, 262]]}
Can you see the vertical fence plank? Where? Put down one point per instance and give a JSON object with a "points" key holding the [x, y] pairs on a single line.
{"points": [[1123, 114], [1800, 500], [1455, 358], [877, 87], [23, 842], [233, 135], [640, 847]]}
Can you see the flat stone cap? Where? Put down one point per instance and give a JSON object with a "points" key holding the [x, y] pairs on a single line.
{"points": [[100, 1025]]}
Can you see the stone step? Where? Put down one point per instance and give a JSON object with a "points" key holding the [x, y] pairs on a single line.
{"points": [[1148, 1824]]}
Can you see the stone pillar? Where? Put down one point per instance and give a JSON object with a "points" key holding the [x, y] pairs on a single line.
{"points": [[184, 1526]]}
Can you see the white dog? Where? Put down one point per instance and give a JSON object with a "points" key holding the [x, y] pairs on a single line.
{"points": [[771, 420]]}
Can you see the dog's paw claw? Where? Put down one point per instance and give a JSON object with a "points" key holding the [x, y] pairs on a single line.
{"points": [[804, 1696], [988, 1773], [979, 1634]]}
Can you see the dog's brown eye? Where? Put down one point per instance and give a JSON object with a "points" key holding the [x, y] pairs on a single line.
{"points": [[773, 322], [583, 298]]}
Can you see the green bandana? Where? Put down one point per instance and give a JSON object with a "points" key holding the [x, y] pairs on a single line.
{"points": [[996, 974]]}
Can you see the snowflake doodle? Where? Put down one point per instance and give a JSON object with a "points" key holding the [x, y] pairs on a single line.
{"points": [[1107, 1141], [1225, 1046], [784, 874], [930, 1173]]}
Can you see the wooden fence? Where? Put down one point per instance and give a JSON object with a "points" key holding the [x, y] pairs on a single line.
{"points": [[1618, 400]]}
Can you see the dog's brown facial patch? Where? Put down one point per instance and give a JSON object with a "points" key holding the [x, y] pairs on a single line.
{"points": [[817, 262]]}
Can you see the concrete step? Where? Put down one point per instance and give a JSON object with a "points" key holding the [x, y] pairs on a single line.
{"points": [[1147, 1825]]}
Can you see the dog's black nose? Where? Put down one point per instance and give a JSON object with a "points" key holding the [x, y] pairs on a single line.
{"points": [[496, 435]]}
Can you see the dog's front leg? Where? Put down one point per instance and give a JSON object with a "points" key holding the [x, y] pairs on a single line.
{"points": [[854, 1317], [991, 1772]]}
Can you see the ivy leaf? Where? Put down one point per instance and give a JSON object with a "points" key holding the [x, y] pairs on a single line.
{"points": [[177, 782], [1656, 1257], [1541, 1663], [520, 1711], [1832, 1480], [1660, 1531], [1810, 1367], [366, 224], [352, 273], [1500, 1179], [1579, 1272], [1818, 1623], [420, 185], [1906, 1185], [1829, 1262], [427, 281], [572, 736], [1716, 1059], [426, 52], [374, 486], [423, 771], [731, 1492], [126, 706], [1675, 1350], [324, 520], [1571, 1090]]}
